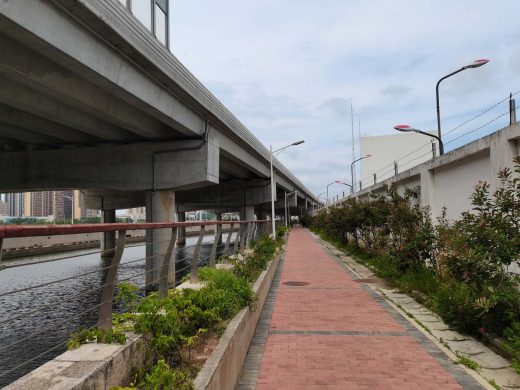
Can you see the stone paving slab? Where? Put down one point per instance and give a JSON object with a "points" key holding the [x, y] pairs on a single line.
{"points": [[336, 333]]}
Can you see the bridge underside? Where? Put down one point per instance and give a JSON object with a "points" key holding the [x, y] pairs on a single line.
{"points": [[91, 101], [81, 111]]}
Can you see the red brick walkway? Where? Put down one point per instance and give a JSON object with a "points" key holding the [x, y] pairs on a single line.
{"points": [[334, 334]]}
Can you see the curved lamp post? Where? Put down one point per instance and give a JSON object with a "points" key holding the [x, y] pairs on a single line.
{"points": [[273, 189], [410, 129], [474, 64], [352, 187]]}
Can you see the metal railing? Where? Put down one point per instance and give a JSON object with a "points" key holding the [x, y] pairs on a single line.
{"points": [[243, 232]]}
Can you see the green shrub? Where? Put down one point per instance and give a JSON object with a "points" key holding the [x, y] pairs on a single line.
{"points": [[251, 267], [455, 304], [161, 376], [459, 268]]}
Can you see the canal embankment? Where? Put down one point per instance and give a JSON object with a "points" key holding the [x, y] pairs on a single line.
{"points": [[101, 366], [16, 248]]}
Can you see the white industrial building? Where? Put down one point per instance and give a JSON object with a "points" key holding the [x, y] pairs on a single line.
{"points": [[408, 150]]}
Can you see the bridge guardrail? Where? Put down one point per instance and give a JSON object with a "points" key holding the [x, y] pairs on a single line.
{"points": [[244, 232]]}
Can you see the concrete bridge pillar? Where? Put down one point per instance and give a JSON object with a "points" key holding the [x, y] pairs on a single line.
{"points": [[247, 213], [181, 233], [160, 207], [219, 218], [108, 239]]}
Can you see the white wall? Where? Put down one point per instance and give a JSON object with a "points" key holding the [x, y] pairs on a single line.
{"points": [[453, 185], [408, 150]]}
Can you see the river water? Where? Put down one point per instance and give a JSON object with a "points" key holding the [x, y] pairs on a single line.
{"points": [[63, 307]]}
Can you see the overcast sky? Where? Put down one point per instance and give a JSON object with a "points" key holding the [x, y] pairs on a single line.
{"points": [[287, 69]]}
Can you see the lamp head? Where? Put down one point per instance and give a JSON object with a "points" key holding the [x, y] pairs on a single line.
{"points": [[477, 63], [298, 142], [405, 128]]}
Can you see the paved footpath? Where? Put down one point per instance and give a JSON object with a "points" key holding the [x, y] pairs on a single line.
{"points": [[336, 333]]}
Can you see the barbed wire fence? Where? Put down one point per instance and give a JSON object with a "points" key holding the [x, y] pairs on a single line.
{"points": [[418, 155]]}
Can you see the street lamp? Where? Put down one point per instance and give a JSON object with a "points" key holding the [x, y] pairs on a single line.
{"points": [[474, 64], [410, 129], [273, 189], [353, 186], [328, 185], [285, 200]]}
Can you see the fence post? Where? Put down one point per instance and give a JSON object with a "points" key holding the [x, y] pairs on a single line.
{"points": [[165, 268], [237, 237], [105, 309], [213, 254], [195, 261], [434, 149], [1, 248], [512, 110], [250, 232], [243, 234], [395, 168], [375, 179], [360, 185], [228, 240]]}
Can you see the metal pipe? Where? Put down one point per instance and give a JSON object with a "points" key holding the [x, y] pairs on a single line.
{"points": [[272, 193]]}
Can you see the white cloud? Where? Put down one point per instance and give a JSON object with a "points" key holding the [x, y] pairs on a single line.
{"points": [[287, 69]]}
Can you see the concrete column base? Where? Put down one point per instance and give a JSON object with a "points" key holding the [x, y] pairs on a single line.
{"points": [[160, 207], [108, 239], [181, 232]]}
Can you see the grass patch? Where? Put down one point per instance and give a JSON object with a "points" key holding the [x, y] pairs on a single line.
{"points": [[468, 362]]}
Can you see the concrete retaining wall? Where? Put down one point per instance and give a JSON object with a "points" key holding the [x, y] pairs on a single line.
{"points": [[90, 367], [222, 370]]}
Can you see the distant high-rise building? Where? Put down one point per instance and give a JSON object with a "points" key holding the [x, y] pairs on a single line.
{"points": [[4, 209], [42, 204], [63, 203], [15, 203]]}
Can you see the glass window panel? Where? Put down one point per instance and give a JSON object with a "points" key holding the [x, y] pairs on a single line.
{"points": [[142, 10], [160, 24]]}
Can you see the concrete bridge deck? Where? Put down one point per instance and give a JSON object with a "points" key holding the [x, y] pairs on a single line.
{"points": [[338, 333]]}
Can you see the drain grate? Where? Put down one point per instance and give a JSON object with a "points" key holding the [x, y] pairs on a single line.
{"points": [[296, 283]]}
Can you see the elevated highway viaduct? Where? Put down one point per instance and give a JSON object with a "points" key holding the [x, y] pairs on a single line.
{"points": [[91, 100]]}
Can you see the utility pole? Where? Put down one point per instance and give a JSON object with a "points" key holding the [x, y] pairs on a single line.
{"points": [[353, 150]]}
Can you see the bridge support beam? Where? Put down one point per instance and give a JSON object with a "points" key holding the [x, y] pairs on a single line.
{"points": [[160, 207], [108, 239]]}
